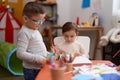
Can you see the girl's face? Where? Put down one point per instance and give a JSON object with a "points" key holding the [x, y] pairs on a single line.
{"points": [[70, 36], [34, 22]]}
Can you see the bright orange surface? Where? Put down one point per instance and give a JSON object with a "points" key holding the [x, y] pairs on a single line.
{"points": [[44, 74]]}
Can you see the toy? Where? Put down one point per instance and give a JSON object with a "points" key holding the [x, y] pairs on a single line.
{"points": [[113, 35], [94, 20]]}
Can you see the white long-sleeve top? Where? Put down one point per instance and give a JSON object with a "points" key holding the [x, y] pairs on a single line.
{"points": [[71, 48], [30, 48]]}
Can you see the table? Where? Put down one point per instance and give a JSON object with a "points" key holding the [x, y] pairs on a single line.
{"points": [[99, 31], [44, 74]]}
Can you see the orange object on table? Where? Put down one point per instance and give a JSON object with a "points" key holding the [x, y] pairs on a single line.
{"points": [[45, 74]]}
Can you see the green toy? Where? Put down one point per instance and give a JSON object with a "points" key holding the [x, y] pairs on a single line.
{"points": [[9, 60]]}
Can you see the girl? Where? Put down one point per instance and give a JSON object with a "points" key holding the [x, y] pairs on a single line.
{"points": [[70, 45]]}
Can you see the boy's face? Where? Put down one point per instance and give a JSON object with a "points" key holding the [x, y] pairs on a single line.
{"points": [[69, 36], [34, 22]]}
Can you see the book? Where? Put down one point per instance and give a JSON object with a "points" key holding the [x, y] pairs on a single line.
{"points": [[80, 60]]}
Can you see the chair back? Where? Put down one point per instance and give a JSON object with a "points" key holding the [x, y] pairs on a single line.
{"points": [[84, 40]]}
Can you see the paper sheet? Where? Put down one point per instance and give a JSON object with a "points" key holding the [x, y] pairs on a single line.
{"points": [[96, 69], [81, 60]]}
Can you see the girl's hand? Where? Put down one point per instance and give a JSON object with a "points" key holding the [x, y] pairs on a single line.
{"points": [[77, 54]]}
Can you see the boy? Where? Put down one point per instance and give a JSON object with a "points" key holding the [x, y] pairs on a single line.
{"points": [[30, 46]]}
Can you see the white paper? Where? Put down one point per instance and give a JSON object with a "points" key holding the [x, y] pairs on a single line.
{"points": [[81, 60], [96, 69]]}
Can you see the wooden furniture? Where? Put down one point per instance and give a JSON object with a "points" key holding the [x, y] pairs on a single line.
{"points": [[45, 74], [51, 16], [99, 31]]}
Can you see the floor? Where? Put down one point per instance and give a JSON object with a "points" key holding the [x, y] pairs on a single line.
{"points": [[5, 75]]}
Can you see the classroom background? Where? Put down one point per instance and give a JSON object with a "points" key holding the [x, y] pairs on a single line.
{"points": [[58, 12]]}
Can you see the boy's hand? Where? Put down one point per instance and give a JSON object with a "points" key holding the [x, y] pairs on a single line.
{"points": [[48, 59], [43, 62], [55, 50]]}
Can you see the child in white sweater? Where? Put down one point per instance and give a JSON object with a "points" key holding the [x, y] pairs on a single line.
{"points": [[70, 45], [30, 46]]}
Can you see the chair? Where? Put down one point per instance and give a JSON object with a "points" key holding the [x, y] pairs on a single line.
{"points": [[84, 40]]}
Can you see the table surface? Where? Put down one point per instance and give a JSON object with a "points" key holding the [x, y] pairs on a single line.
{"points": [[44, 74]]}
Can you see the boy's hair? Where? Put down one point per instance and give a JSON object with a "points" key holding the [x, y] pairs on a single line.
{"points": [[69, 26], [32, 9]]}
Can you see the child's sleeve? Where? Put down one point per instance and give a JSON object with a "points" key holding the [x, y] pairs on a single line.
{"points": [[82, 50], [22, 44]]}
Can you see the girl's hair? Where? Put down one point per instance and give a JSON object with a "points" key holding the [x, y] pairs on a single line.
{"points": [[69, 26], [32, 9]]}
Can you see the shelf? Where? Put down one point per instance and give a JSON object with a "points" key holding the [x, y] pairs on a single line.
{"points": [[52, 18], [47, 3]]}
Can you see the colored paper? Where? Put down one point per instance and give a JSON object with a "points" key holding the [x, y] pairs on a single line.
{"points": [[86, 77]]}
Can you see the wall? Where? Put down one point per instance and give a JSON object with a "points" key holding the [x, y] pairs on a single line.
{"points": [[106, 14], [68, 10], [116, 13], [64, 11]]}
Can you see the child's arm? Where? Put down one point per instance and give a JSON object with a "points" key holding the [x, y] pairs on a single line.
{"points": [[82, 50], [43, 62], [23, 54], [80, 53], [55, 50]]}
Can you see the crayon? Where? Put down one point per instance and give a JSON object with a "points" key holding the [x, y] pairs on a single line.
{"points": [[76, 71], [70, 59], [52, 63], [90, 66], [100, 72]]}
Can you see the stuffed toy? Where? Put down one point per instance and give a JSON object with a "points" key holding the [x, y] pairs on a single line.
{"points": [[113, 34]]}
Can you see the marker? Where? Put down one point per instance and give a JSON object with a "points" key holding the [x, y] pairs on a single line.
{"points": [[111, 65], [100, 72], [62, 61], [70, 59], [90, 67], [76, 71], [116, 54], [52, 63], [69, 72]]}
